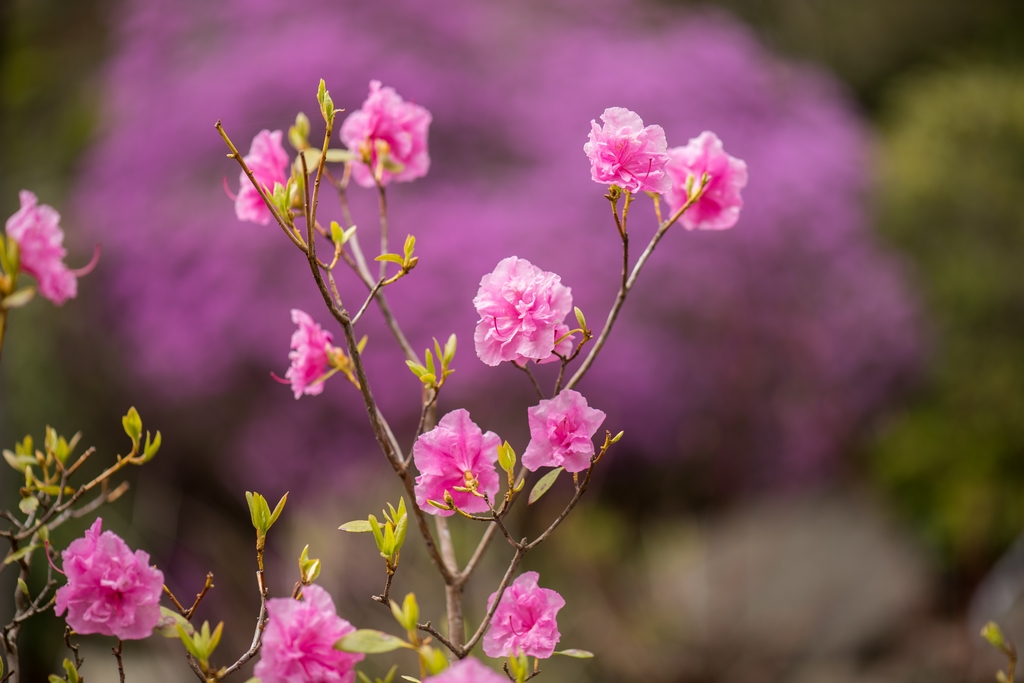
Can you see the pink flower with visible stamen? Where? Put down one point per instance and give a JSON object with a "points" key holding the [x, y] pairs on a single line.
{"points": [[298, 642], [454, 453], [36, 230], [110, 590], [625, 153], [521, 311], [561, 433], [308, 355], [268, 161], [386, 117], [525, 620], [468, 670], [719, 206]]}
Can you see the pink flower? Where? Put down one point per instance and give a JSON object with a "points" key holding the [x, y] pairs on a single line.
{"points": [[454, 453], [468, 670], [109, 590], [267, 160], [525, 620], [308, 355], [298, 642], [385, 117], [625, 153], [719, 206], [40, 242], [521, 310], [561, 433]]}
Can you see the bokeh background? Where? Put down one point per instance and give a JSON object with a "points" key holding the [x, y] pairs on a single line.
{"points": [[824, 457]]}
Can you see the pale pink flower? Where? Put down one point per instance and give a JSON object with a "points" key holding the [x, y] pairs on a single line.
{"points": [[561, 433], [308, 355], [109, 590], [524, 622], [521, 311], [298, 642], [623, 152], [454, 453], [268, 161], [35, 228], [719, 206], [468, 670], [386, 117]]}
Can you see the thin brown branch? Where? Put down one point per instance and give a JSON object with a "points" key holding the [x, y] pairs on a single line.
{"points": [[117, 655], [427, 628], [261, 622], [533, 380]]}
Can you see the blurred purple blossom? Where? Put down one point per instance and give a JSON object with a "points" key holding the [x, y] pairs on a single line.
{"points": [[765, 347]]}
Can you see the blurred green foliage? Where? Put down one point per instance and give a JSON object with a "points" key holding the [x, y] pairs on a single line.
{"points": [[951, 199]]}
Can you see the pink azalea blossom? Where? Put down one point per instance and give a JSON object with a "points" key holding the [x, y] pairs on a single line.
{"points": [[452, 454], [109, 590], [521, 311], [719, 206], [386, 117], [468, 670], [36, 230], [308, 355], [625, 153], [525, 620], [298, 642], [268, 161], [561, 433]]}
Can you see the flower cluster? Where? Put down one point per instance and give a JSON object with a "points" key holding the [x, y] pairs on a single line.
{"points": [[110, 590], [521, 310], [390, 134], [268, 161], [561, 433], [455, 453], [623, 152], [298, 642], [719, 206], [309, 356], [35, 228], [524, 622]]}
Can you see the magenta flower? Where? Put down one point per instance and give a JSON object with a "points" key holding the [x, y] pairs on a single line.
{"points": [[719, 206], [267, 160], [386, 118], [298, 642], [109, 590], [36, 230], [308, 355], [455, 453], [561, 433], [525, 620], [468, 670], [625, 153], [521, 311]]}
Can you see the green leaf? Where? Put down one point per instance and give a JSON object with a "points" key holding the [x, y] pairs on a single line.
{"points": [[189, 643], [579, 318], [363, 677], [150, 450], [391, 258], [20, 553], [23, 587], [18, 461], [169, 622], [410, 679], [449, 350], [54, 678], [400, 528], [416, 368], [278, 509], [506, 457], [578, 654], [358, 526], [71, 671], [391, 674], [370, 642], [19, 298], [431, 369], [544, 484], [28, 505], [132, 425], [993, 634], [377, 535], [340, 156], [411, 610], [389, 540]]}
